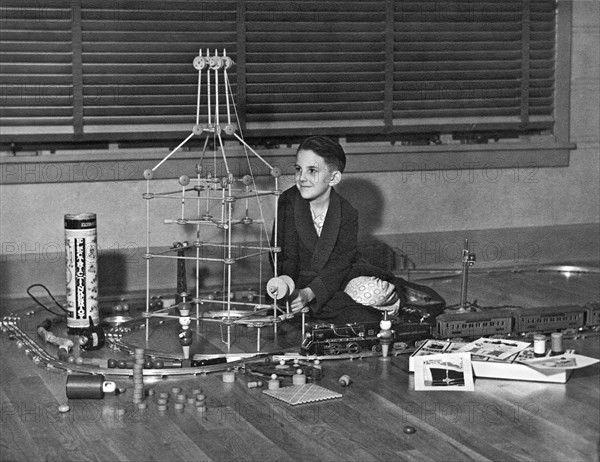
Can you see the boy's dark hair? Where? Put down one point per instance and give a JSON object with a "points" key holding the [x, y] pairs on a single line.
{"points": [[330, 150]]}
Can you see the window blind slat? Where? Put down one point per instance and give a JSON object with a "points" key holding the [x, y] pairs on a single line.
{"points": [[260, 79], [27, 119], [37, 110], [316, 10], [24, 36], [35, 100], [96, 28], [210, 40], [364, 27], [341, 92], [321, 117], [425, 48], [184, 47], [342, 39]]}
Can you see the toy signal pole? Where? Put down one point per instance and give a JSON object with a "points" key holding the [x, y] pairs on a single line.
{"points": [[468, 259]]}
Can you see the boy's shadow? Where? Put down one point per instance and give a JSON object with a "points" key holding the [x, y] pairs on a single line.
{"points": [[419, 302], [367, 198]]}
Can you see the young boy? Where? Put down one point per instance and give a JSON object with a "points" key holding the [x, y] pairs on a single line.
{"points": [[317, 233]]}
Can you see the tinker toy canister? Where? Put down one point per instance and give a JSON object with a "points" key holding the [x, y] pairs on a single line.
{"points": [[81, 253]]}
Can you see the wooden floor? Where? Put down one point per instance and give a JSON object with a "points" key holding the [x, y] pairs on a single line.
{"points": [[500, 421]]}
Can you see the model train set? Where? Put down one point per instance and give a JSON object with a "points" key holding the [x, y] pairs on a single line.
{"points": [[326, 339]]}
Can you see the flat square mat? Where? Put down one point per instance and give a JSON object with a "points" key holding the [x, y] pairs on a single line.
{"points": [[301, 394]]}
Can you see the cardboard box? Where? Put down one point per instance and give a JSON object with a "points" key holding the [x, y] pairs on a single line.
{"points": [[493, 369]]}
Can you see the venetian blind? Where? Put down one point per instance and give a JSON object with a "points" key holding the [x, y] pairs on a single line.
{"points": [[85, 70]]}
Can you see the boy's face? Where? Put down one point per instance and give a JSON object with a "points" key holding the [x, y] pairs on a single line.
{"points": [[313, 177]]}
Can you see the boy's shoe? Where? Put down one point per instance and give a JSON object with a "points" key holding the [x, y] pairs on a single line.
{"points": [[419, 303]]}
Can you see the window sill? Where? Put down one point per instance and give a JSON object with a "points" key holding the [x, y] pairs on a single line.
{"points": [[130, 164]]}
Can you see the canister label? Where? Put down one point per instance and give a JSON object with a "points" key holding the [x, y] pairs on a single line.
{"points": [[82, 270]]}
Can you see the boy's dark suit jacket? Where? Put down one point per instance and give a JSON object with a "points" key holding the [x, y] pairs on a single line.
{"points": [[324, 263]]}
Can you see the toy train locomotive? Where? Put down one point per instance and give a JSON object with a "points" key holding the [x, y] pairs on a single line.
{"points": [[327, 339]]}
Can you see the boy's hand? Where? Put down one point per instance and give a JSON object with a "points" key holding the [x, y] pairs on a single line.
{"points": [[301, 298]]}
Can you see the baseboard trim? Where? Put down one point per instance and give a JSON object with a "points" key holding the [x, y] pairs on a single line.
{"points": [[125, 273]]}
